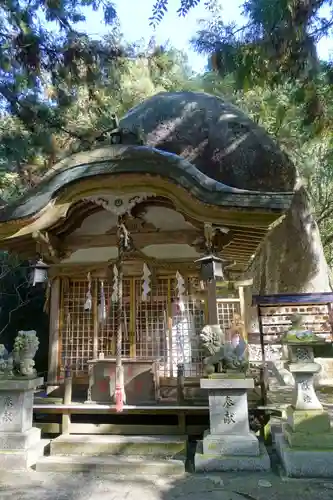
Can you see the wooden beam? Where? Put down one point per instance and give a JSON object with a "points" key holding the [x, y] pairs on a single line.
{"points": [[140, 239], [50, 245], [249, 230], [237, 253], [245, 240], [152, 238]]}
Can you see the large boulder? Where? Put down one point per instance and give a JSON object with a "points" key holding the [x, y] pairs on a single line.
{"points": [[216, 137], [291, 258]]}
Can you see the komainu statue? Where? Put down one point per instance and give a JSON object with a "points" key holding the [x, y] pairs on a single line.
{"points": [[25, 347], [20, 363], [222, 356]]}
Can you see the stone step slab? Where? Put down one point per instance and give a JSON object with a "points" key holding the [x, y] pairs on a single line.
{"points": [[111, 465], [111, 445]]}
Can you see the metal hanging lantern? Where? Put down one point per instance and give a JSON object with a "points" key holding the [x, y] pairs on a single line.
{"points": [[39, 273], [211, 268]]}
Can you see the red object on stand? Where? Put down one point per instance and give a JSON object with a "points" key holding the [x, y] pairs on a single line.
{"points": [[119, 399]]}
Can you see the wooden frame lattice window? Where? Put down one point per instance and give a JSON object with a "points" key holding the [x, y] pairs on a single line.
{"points": [[153, 328], [226, 310]]}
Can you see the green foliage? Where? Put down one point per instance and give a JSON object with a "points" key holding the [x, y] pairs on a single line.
{"points": [[160, 7], [277, 42], [27, 152], [33, 57]]}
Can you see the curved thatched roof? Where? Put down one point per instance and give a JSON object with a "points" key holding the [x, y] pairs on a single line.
{"points": [[216, 137], [113, 160]]}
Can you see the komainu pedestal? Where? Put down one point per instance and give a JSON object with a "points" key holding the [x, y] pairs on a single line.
{"points": [[229, 444], [20, 443]]}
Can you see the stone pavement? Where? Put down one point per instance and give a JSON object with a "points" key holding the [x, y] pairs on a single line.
{"points": [[229, 486]]}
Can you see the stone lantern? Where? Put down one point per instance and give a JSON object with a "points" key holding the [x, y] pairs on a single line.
{"points": [[39, 273], [211, 268], [305, 445]]}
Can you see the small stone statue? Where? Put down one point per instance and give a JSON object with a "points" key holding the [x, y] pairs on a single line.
{"points": [[10, 366], [297, 332], [20, 363], [3, 360], [25, 347], [222, 356], [6, 363]]}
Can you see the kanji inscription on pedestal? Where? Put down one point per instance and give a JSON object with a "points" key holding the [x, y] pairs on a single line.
{"points": [[229, 444], [305, 397], [18, 439], [228, 413]]}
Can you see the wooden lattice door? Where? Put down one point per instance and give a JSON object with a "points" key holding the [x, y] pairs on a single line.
{"points": [[107, 330], [77, 328]]}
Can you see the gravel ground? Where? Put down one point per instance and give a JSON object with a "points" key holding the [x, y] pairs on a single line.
{"points": [[230, 486]]}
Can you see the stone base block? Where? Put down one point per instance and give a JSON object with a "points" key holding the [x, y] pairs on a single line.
{"points": [[305, 440], [304, 462], [240, 445], [107, 445], [19, 440], [16, 460], [309, 421], [16, 403], [130, 466], [223, 463]]}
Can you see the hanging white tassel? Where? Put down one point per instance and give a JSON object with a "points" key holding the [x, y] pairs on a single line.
{"points": [[114, 296], [146, 282], [102, 305], [180, 291], [88, 302]]}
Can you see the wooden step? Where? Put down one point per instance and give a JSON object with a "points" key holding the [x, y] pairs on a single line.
{"points": [[111, 465], [110, 445]]}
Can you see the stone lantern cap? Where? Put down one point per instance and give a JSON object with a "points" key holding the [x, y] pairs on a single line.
{"points": [[304, 367], [20, 384]]}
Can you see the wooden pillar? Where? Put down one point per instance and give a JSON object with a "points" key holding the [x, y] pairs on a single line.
{"points": [[53, 361], [245, 303], [211, 303], [66, 416], [243, 312], [180, 384], [94, 290], [132, 323]]}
